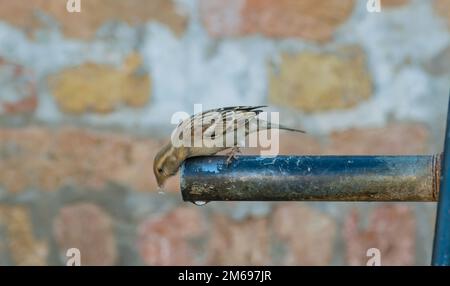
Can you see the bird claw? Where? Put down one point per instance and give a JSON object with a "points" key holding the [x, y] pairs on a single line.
{"points": [[233, 155]]}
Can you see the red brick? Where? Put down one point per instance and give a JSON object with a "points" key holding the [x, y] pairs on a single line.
{"points": [[23, 245], [90, 229], [94, 13], [18, 90], [299, 144], [393, 3], [442, 8], [239, 243], [396, 138], [82, 88], [321, 81], [391, 229], [308, 234], [165, 240], [50, 159], [275, 18]]}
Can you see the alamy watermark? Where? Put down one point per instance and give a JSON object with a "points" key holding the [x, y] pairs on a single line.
{"points": [[373, 6], [73, 257], [375, 257], [73, 6]]}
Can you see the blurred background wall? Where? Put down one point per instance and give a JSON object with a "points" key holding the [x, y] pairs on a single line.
{"points": [[86, 100]]}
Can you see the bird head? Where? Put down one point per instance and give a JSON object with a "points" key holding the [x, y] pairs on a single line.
{"points": [[165, 164]]}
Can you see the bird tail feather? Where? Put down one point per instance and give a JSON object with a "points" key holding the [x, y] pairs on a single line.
{"points": [[282, 127], [289, 129]]}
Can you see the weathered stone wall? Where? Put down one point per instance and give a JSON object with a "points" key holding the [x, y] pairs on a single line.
{"points": [[86, 100]]}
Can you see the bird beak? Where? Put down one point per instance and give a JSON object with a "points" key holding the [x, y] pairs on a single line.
{"points": [[160, 182]]}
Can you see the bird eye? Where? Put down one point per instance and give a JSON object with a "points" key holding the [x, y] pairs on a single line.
{"points": [[160, 170]]}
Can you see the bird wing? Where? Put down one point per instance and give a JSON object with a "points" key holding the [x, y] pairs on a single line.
{"points": [[221, 122]]}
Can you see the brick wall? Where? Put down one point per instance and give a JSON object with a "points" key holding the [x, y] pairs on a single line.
{"points": [[86, 100]]}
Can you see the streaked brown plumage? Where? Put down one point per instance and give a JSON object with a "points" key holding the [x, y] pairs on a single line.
{"points": [[227, 124]]}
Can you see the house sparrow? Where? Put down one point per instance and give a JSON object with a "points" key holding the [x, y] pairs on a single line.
{"points": [[227, 124]]}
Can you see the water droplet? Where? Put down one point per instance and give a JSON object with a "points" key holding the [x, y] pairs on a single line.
{"points": [[161, 191], [200, 203]]}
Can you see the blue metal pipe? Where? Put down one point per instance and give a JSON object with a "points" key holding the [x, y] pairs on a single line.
{"points": [[311, 178], [441, 248]]}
